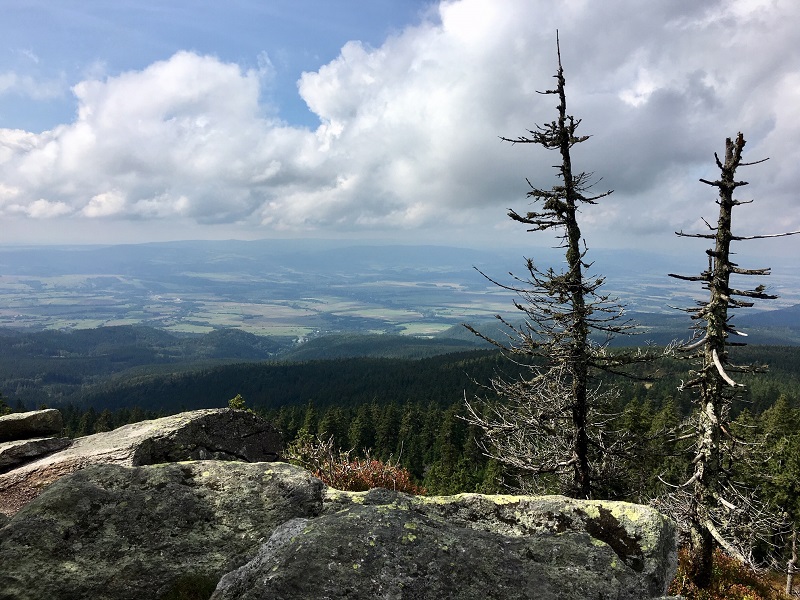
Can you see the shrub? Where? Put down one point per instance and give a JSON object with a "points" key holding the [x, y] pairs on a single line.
{"points": [[237, 403], [340, 470], [730, 580]]}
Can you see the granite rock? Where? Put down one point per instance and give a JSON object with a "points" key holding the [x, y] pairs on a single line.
{"points": [[36, 423], [14, 454], [219, 434], [114, 532], [386, 545]]}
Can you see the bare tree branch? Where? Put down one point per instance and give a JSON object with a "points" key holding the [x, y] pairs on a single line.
{"points": [[552, 420], [711, 506], [722, 372]]}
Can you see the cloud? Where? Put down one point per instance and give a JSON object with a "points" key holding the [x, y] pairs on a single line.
{"points": [[184, 135], [42, 209], [408, 131], [30, 87], [104, 205]]}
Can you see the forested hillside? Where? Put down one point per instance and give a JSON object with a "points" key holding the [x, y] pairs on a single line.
{"points": [[411, 411], [55, 367], [269, 385], [441, 379], [402, 402]]}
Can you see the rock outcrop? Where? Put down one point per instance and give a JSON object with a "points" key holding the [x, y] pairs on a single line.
{"points": [[386, 545], [25, 437], [33, 424], [114, 532], [221, 434], [20, 452]]}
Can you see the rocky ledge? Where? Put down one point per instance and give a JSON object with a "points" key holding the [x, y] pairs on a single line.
{"points": [[221, 434], [229, 530], [382, 544], [33, 424], [25, 437]]}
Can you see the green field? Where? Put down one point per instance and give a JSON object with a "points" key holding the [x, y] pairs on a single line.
{"points": [[304, 289], [88, 301]]}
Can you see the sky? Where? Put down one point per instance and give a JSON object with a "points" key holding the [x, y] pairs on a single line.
{"points": [[138, 120]]}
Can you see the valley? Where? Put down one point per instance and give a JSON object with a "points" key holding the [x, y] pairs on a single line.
{"points": [[305, 288]]}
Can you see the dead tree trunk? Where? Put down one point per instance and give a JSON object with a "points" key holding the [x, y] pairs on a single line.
{"points": [[552, 408], [710, 503]]}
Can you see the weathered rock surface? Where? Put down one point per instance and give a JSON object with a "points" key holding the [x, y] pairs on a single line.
{"points": [[114, 532], [13, 454], [117, 533], [220, 434], [390, 546], [37, 423]]}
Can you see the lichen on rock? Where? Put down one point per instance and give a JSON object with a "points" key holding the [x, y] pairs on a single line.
{"points": [[384, 544], [271, 530], [130, 532]]}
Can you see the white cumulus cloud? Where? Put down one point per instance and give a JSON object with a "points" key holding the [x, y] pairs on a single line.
{"points": [[408, 130], [104, 205], [43, 209]]}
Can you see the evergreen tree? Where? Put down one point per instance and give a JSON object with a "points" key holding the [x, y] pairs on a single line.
{"points": [[334, 424], [387, 427], [410, 447], [138, 414], [86, 423], [105, 421], [780, 474], [310, 419], [4, 407], [361, 433]]}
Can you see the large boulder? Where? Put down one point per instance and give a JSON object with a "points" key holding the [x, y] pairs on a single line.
{"points": [[37, 423], [385, 545], [221, 434], [114, 532]]}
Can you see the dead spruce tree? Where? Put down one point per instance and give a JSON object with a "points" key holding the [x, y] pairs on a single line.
{"points": [[711, 504], [550, 423]]}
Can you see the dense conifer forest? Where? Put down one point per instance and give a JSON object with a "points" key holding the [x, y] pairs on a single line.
{"points": [[411, 411]]}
